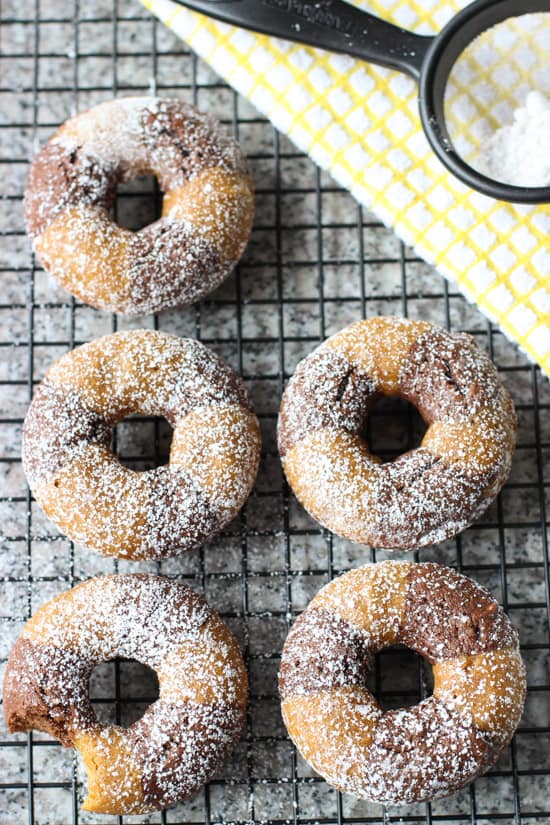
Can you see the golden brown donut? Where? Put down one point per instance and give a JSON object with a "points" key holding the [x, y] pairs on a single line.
{"points": [[207, 210], [415, 754], [90, 495], [183, 737], [425, 495]]}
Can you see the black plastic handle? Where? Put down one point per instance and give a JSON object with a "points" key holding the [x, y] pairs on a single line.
{"points": [[327, 24]]}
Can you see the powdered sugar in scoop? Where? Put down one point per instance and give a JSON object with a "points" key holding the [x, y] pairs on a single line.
{"points": [[519, 154]]}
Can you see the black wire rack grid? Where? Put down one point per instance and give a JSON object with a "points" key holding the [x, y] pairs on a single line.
{"points": [[316, 262]]}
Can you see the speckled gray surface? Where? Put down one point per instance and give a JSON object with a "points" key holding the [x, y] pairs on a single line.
{"points": [[315, 263]]}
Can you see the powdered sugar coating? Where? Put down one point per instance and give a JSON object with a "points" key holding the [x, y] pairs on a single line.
{"points": [[414, 754], [207, 212], [448, 615], [424, 753], [182, 739], [168, 260], [110, 508], [490, 687], [370, 598], [323, 652], [326, 390], [427, 494]]}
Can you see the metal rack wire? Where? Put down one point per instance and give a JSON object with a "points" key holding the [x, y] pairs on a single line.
{"points": [[316, 262]]}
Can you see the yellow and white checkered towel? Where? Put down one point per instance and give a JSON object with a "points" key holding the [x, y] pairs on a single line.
{"points": [[360, 123]]}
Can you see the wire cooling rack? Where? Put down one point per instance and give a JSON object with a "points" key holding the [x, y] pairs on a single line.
{"points": [[316, 262]]}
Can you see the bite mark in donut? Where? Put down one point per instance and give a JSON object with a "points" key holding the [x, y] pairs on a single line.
{"points": [[183, 738]]}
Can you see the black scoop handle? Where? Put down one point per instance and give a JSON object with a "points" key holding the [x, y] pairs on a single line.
{"points": [[327, 24]]}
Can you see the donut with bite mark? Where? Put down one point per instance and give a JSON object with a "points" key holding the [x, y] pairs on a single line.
{"points": [[183, 738]]}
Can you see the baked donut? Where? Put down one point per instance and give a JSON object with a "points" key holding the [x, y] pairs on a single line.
{"points": [[90, 495], [183, 738], [207, 209], [414, 754], [425, 495]]}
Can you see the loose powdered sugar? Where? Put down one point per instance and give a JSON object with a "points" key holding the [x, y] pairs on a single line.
{"points": [[519, 153]]}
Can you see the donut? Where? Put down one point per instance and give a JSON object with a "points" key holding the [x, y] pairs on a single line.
{"points": [[183, 738], [414, 754], [96, 501], [207, 208], [428, 494]]}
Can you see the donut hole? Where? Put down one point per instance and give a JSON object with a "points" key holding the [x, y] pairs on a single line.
{"points": [[121, 690], [401, 678], [138, 203], [142, 443], [394, 427]]}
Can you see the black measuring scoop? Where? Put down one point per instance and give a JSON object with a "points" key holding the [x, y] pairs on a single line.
{"points": [[340, 27]]}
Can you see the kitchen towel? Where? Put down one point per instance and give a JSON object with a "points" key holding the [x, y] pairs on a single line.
{"points": [[360, 123]]}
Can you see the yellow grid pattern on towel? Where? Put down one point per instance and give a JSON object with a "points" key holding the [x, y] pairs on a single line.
{"points": [[360, 123]]}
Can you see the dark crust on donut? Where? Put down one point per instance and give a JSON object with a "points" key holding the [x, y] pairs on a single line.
{"points": [[445, 375], [425, 752], [55, 424], [322, 652], [170, 263], [213, 382], [174, 773], [46, 688], [448, 615], [326, 390], [181, 142], [181, 517], [60, 177]]}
